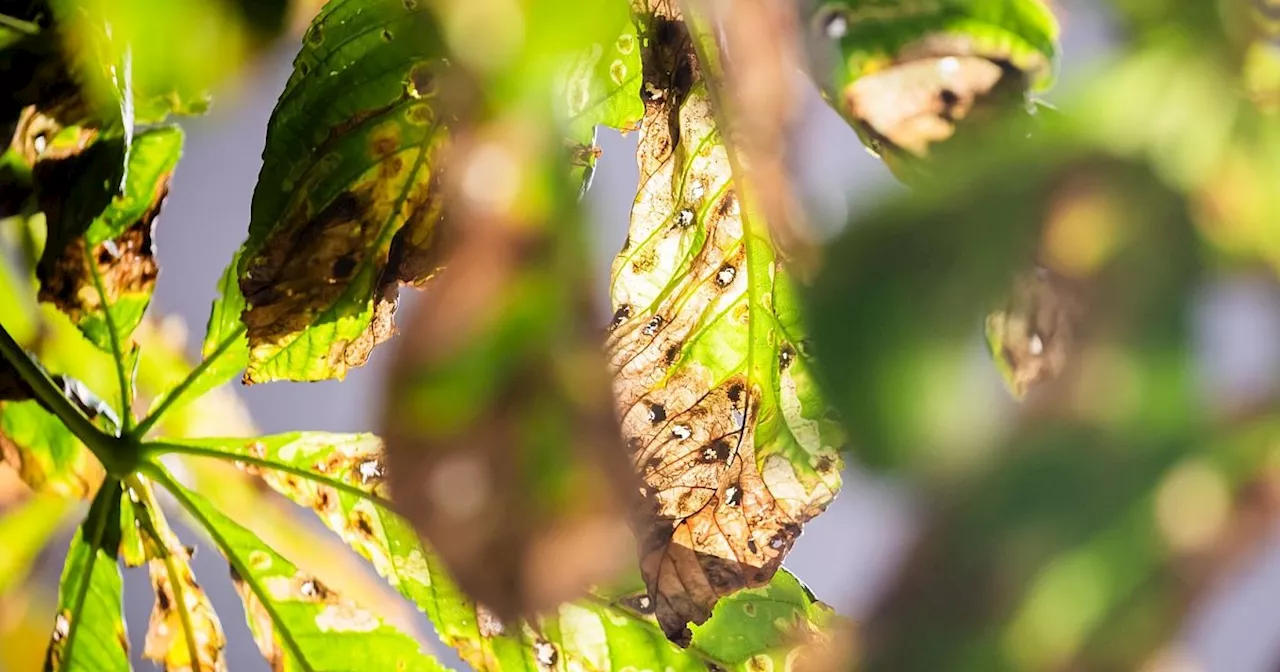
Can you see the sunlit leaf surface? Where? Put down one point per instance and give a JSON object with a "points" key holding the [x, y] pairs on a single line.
{"points": [[345, 208], [781, 626], [905, 74], [298, 622], [88, 630], [721, 414], [340, 477], [601, 86]]}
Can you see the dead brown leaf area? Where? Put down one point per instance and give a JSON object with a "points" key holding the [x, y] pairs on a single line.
{"points": [[125, 265], [352, 252], [713, 521]]}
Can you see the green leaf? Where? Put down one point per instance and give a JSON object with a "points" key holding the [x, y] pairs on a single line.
{"points": [[47, 457], [298, 623], [25, 528], [905, 74], [345, 208], [104, 278], [88, 630], [600, 86], [772, 622], [718, 404], [340, 477], [224, 351]]}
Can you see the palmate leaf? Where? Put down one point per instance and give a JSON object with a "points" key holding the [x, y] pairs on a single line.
{"points": [[345, 208], [905, 74], [88, 630], [299, 623], [720, 411], [341, 478], [781, 626], [103, 277]]}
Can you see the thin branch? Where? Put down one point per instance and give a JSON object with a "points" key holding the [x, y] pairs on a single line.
{"points": [[18, 25], [174, 395]]}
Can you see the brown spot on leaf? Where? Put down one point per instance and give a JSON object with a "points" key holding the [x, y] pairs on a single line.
{"points": [[125, 266], [785, 356], [718, 492], [422, 80], [184, 632], [383, 141], [619, 316]]}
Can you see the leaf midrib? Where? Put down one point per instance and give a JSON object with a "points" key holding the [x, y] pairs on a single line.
{"points": [[277, 622], [99, 511]]}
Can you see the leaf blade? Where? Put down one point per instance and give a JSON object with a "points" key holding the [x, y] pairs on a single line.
{"points": [[46, 455], [344, 210], [183, 633], [298, 623], [711, 375], [90, 610], [104, 279]]}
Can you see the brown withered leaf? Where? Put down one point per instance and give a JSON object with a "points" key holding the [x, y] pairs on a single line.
{"points": [[182, 641], [719, 409], [919, 102], [99, 266], [755, 59], [503, 450], [183, 634]]}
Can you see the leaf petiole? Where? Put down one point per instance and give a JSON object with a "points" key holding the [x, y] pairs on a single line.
{"points": [[156, 448], [157, 413]]}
